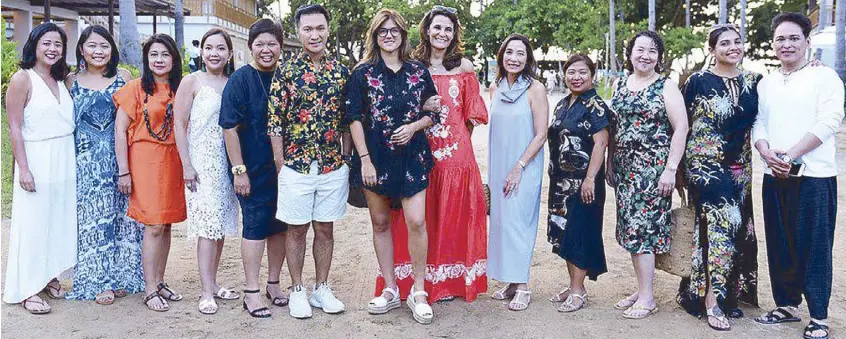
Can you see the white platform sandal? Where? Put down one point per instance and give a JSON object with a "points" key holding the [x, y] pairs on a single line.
{"points": [[381, 305], [422, 312]]}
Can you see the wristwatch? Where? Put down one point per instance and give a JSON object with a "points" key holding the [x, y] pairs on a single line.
{"points": [[239, 169], [786, 158]]}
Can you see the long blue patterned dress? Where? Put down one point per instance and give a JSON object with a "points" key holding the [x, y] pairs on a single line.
{"points": [[109, 243]]}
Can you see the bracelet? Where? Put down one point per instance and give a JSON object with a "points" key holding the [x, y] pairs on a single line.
{"points": [[365, 155], [521, 163], [123, 175], [589, 179]]}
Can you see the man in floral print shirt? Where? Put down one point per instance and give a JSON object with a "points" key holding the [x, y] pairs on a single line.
{"points": [[304, 125]]}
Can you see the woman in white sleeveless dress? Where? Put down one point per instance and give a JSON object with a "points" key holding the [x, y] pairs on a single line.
{"points": [[209, 193], [42, 239]]}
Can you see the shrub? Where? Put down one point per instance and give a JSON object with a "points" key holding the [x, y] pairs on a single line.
{"points": [[9, 59]]}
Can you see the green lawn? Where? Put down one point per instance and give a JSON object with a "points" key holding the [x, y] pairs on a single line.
{"points": [[6, 169]]}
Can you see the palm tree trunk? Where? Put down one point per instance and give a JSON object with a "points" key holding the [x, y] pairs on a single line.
{"points": [[823, 10], [723, 12], [743, 21], [687, 13], [130, 39], [179, 24], [652, 15], [612, 35], [840, 38]]}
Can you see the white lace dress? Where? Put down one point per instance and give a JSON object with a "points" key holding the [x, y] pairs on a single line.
{"points": [[212, 208]]}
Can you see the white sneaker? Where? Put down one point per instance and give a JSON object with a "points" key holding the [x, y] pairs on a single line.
{"points": [[298, 304], [323, 298]]}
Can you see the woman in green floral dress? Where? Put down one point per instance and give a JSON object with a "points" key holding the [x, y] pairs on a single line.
{"points": [[722, 104], [648, 131]]}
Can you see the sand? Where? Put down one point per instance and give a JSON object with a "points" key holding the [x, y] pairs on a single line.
{"points": [[352, 278]]}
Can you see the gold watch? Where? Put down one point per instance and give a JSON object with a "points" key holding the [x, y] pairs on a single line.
{"points": [[238, 170]]}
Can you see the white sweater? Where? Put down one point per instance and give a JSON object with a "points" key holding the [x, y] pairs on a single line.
{"points": [[809, 101]]}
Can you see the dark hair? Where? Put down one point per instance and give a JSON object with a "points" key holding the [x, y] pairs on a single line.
{"points": [[659, 45], [230, 64], [114, 60], [60, 69], [714, 36], [148, 82], [265, 26], [310, 9], [529, 70], [583, 58], [454, 52], [796, 18], [195, 42]]}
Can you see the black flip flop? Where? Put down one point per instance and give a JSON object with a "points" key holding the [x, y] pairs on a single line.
{"points": [[812, 326], [777, 316]]}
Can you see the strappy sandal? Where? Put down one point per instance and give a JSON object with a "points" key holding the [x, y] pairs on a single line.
{"points": [[422, 312], [717, 314], [207, 306], [256, 313], [381, 305], [155, 295], [120, 293], [561, 296], [45, 307], [172, 295], [104, 298], [629, 312], [517, 303], [226, 294], [54, 289], [813, 327], [277, 301], [569, 305], [625, 303], [503, 293], [778, 316]]}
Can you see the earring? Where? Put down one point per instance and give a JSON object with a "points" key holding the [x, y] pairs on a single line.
{"points": [[82, 64]]}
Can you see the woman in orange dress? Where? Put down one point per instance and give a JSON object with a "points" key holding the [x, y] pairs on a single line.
{"points": [[456, 222], [149, 169]]}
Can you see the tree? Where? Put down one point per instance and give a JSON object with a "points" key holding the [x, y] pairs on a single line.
{"points": [[823, 18], [723, 12], [612, 35], [759, 34], [179, 24], [840, 37], [130, 39], [743, 21]]}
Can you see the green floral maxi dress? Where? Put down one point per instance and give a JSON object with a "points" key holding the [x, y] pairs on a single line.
{"points": [[718, 167], [641, 138]]}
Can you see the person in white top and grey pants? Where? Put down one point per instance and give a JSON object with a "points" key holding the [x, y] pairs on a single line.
{"points": [[800, 111]]}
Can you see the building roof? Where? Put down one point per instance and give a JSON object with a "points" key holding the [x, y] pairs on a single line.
{"points": [[101, 7]]}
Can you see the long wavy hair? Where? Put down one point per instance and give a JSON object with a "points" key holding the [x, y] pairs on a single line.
{"points": [[455, 50], [148, 82], [60, 69], [372, 53]]}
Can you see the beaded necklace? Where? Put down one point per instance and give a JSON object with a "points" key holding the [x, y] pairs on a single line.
{"points": [[167, 126]]}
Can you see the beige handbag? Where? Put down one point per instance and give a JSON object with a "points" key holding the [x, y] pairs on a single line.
{"points": [[678, 260]]}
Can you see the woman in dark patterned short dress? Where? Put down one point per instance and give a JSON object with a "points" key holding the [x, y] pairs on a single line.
{"points": [[722, 104], [577, 140], [648, 131]]}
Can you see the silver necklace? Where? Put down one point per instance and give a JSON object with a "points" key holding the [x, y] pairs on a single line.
{"points": [[786, 75]]}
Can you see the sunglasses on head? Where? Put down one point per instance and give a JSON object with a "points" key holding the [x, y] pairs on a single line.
{"points": [[723, 26], [440, 8]]}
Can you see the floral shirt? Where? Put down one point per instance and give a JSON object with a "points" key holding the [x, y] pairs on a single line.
{"points": [[384, 100], [305, 108], [571, 134]]}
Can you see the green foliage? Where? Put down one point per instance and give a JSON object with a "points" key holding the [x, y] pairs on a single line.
{"points": [[7, 165], [136, 73], [759, 34], [9, 60]]}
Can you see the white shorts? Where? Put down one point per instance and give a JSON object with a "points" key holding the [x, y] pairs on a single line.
{"points": [[311, 197]]}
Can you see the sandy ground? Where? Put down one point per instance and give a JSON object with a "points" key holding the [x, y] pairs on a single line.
{"points": [[353, 275]]}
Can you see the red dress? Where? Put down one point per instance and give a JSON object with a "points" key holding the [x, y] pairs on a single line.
{"points": [[456, 221]]}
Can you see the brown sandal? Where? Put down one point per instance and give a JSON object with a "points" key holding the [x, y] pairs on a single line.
{"points": [[45, 306], [155, 295], [104, 298], [120, 293], [171, 294], [54, 289]]}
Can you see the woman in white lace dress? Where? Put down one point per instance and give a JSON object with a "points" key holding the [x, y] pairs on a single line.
{"points": [[211, 200]]}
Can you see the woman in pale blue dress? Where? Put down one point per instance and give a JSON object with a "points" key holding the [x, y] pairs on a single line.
{"points": [[519, 117], [109, 243]]}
